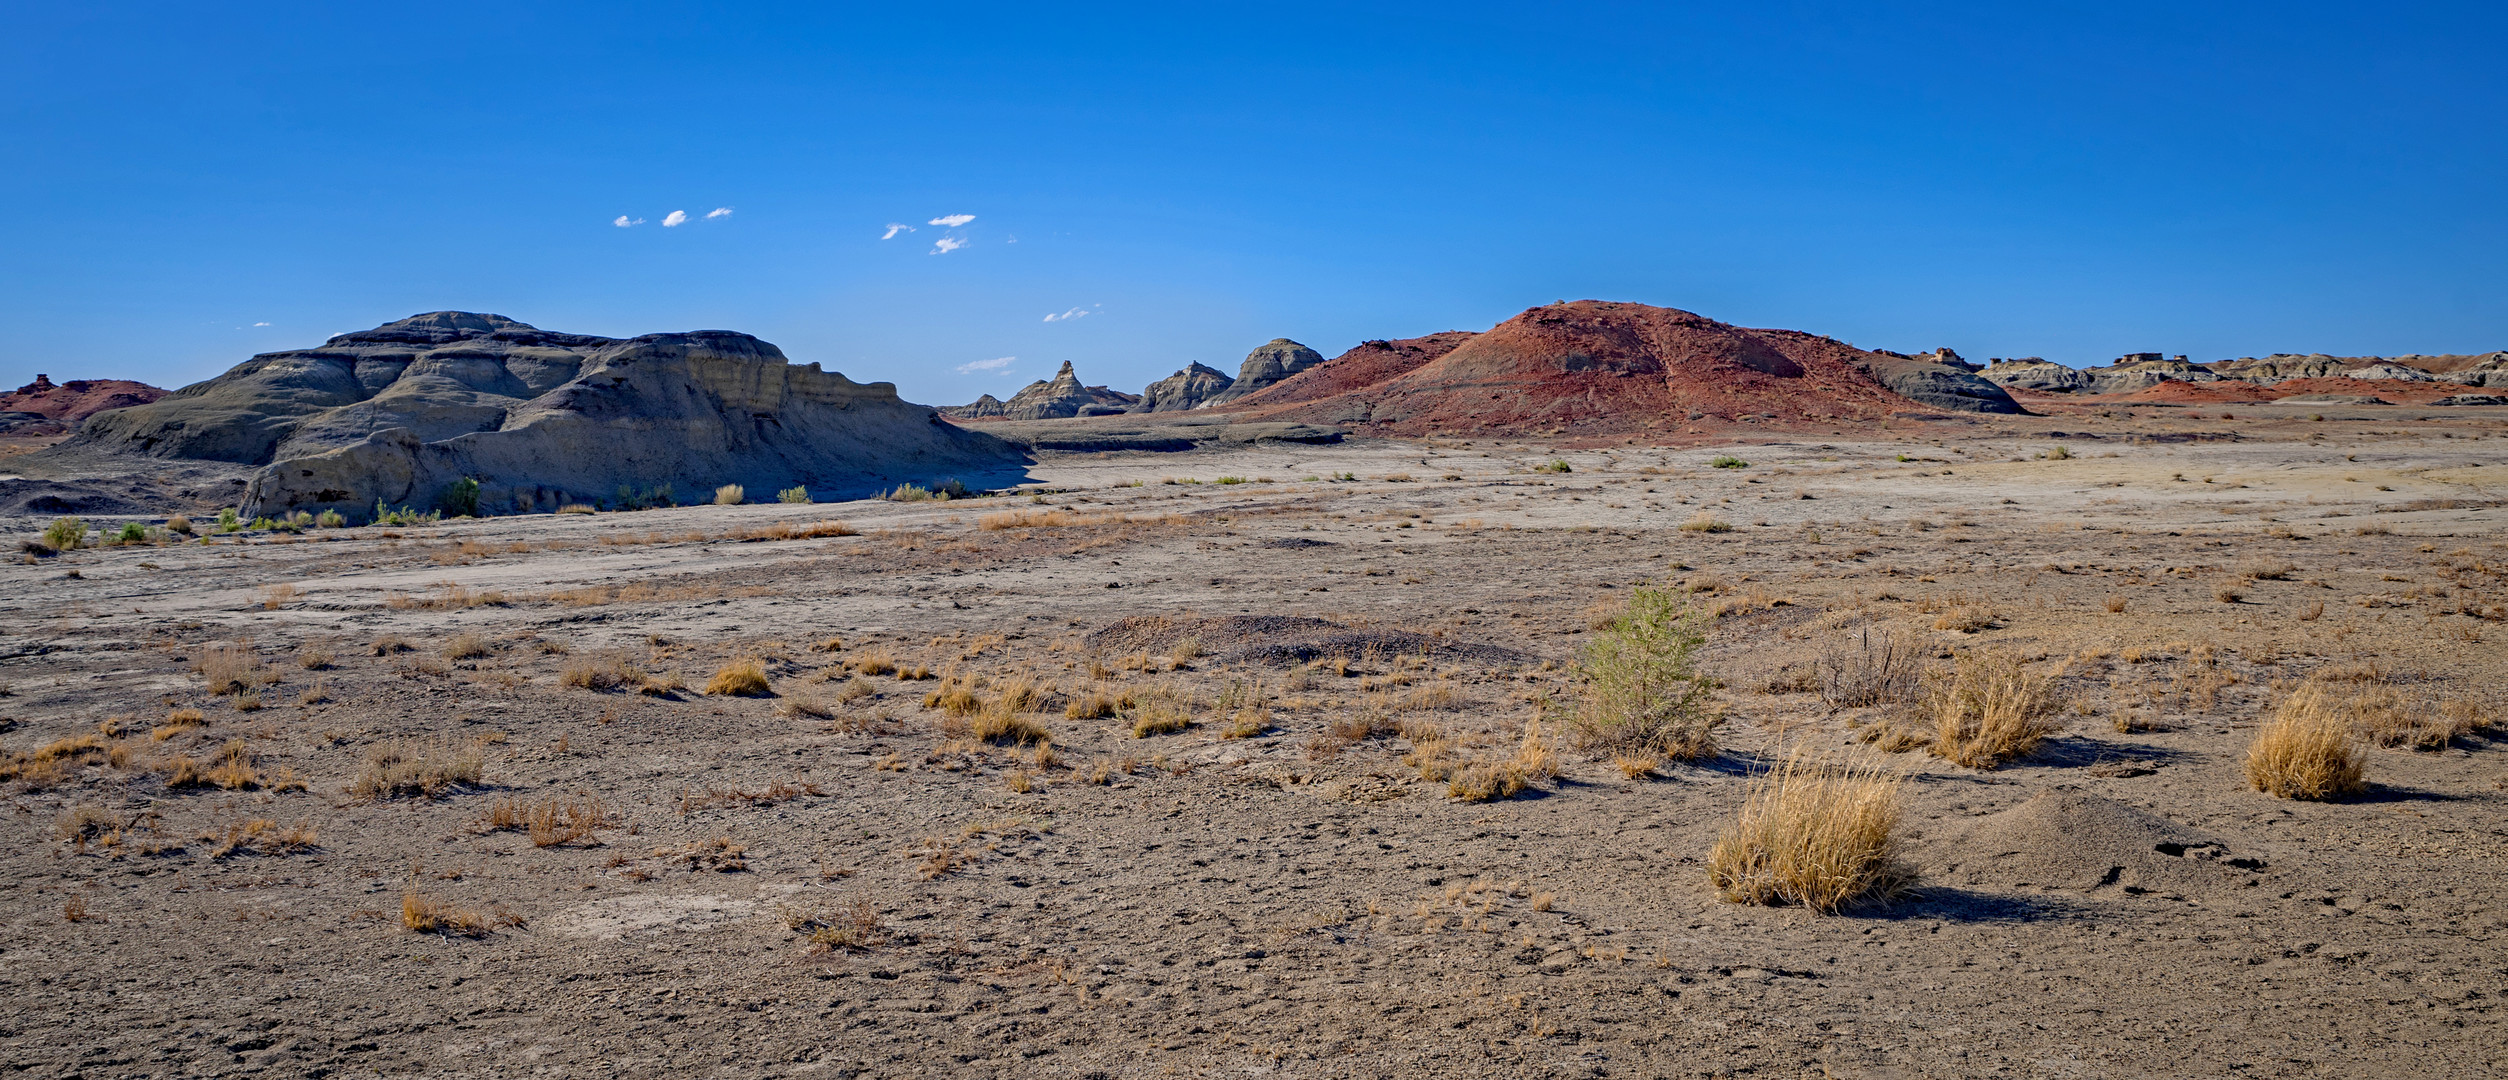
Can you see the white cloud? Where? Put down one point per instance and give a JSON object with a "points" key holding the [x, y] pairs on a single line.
{"points": [[1066, 316], [947, 244], [677, 217], [261, 324], [951, 221], [997, 363], [894, 229], [624, 222], [719, 211]]}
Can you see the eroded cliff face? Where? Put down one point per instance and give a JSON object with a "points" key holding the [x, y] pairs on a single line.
{"points": [[402, 414]]}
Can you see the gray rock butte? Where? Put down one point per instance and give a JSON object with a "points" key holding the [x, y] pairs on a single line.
{"points": [[1042, 400], [1187, 389], [404, 413], [1269, 363]]}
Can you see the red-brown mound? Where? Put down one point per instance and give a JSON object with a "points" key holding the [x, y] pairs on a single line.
{"points": [[1594, 367], [63, 406], [1372, 362], [2394, 390], [2173, 392]]}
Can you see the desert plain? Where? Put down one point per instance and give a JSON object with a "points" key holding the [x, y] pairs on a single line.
{"points": [[452, 799]]}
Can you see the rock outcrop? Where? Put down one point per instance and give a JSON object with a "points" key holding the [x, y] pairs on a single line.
{"points": [[1952, 385], [405, 413], [2138, 372], [44, 407], [1190, 388], [1054, 399], [1269, 363]]}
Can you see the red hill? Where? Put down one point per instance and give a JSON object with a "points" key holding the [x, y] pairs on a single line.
{"points": [[58, 407], [1592, 367]]}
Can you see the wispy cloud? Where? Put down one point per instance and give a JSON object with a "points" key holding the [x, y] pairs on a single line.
{"points": [[261, 324], [623, 221], [719, 211], [676, 218], [947, 244], [951, 221], [894, 229], [997, 363], [1074, 313]]}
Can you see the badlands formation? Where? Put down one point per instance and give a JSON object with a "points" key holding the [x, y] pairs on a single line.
{"points": [[1272, 735]]}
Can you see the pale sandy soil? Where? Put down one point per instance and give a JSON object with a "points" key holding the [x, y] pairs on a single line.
{"points": [[1225, 906]]}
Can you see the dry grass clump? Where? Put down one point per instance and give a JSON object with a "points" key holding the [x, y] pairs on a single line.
{"points": [[730, 495], [465, 646], [1967, 619], [1706, 522], [855, 926], [2388, 718], [1160, 712], [260, 835], [1096, 704], [1485, 779], [1879, 669], [427, 915], [314, 656], [1041, 519], [274, 597], [740, 678], [1988, 711], [607, 672], [178, 722], [1813, 833], [231, 669], [1641, 687], [551, 821], [2115, 605], [2306, 750], [408, 767], [785, 530], [875, 662], [391, 643], [232, 769]]}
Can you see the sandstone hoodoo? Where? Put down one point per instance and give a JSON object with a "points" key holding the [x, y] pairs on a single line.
{"points": [[1594, 367], [414, 409], [1057, 399], [1269, 363], [1191, 388], [44, 407]]}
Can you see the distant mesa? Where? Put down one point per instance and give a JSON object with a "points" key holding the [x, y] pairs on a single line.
{"points": [[2281, 376], [400, 413], [1059, 398], [44, 407]]}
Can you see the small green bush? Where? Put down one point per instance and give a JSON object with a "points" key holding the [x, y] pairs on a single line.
{"points": [[1641, 687], [229, 522], [331, 519], [65, 534], [459, 499], [132, 532], [1559, 465], [1728, 461], [1231, 479], [793, 495]]}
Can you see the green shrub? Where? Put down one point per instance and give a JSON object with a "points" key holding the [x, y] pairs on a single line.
{"points": [[1641, 688], [459, 499], [132, 532], [384, 515], [331, 519], [1231, 479], [1728, 461], [2059, 454], [65, 534], [1557, 465], [228, 521], [793, 495]]}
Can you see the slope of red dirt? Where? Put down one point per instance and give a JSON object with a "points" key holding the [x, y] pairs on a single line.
{"points": [[64, 406], [2173, 392], [1372, 362], [2394, 390], [1590, 367]]}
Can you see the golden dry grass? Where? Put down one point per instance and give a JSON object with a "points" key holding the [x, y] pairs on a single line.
{"points": [[1813, 833], [1988, 711], [178, 722], [465, 646], [740, 678], [2306, 751], [231, 669], [232, 769], [426, 915], [607, 672], [550, 822], [406, 767]]}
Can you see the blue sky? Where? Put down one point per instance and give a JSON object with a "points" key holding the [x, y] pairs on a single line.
{"points": [[194, 184]]}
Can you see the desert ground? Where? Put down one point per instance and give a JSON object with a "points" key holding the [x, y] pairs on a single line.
{"points": [[452, 800]]}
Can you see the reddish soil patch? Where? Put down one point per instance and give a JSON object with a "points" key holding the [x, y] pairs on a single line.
{"points": [[72, 402], [1591, 368], [2394, 390], [1372, 362], [2174, 392]]}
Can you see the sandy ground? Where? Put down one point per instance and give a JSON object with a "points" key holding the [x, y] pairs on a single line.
{"points": [[1195, 904]]}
